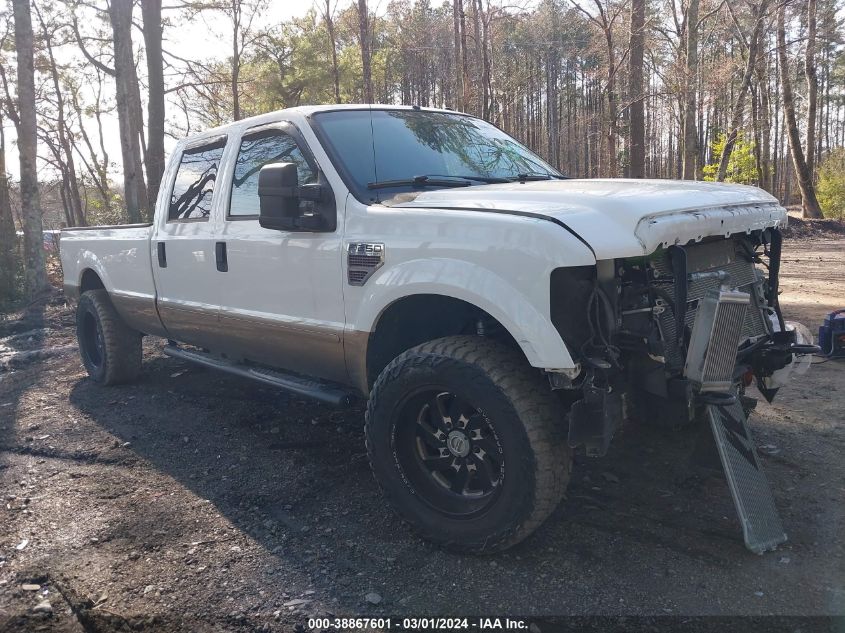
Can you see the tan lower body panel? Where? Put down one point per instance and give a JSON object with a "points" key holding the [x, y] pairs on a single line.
{"points": [[355, 345], [312, 351], [139, 313]]}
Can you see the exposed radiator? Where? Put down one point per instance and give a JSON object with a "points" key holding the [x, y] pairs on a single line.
{"points": [[715, 338], [708, 257]]}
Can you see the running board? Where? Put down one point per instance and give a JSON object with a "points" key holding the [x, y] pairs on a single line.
{"points": [[761, 525], [328, 393]]}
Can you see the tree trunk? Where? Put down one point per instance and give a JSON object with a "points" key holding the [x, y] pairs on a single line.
{"points": [[459, 79], [151, 12], [476, 28], [765, 128], [612, 125], [636, 111], [236, 59], [134, 191], [739, 104], [8, 239], [552, 113], [691, 169], [812, 84], [777, 127], [755, 128], [35, 272], [464, 61], [810, 204], [364, 35], [333, 46], [486, 70]]}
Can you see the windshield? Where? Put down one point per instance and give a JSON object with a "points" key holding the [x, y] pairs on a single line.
{"points": [[406, 150]]}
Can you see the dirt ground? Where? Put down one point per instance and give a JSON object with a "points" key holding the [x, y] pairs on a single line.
{"points": [[197, 501]]}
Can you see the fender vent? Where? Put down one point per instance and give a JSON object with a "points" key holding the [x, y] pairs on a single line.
{"points": [[363, 259]]}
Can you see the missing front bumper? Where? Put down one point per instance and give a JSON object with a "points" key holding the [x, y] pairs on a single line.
{"points": [[762, 528]]}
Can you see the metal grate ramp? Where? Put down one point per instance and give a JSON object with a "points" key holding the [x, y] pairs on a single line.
{"points": [[761, 525]]}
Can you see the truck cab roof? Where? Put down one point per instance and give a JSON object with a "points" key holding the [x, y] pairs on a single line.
{"points": [[303, 112]]}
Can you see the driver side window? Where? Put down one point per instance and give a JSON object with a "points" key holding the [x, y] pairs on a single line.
{"points": [[256, 151]]}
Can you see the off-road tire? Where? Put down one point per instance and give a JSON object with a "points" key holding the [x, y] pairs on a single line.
{"points": [[528, 417], [118, 358]]}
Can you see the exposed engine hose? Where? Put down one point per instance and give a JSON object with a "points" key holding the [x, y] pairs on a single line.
{"points": [[601, 326]]}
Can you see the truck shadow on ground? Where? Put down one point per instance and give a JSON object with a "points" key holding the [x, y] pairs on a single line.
{"points": [[293, 476]]}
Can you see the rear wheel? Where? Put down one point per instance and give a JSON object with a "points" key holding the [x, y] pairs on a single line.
{"points": [[110, 349], [467, 443]]}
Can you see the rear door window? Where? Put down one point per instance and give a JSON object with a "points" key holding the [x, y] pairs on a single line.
{"points": [[256, 151], [193, 189]]}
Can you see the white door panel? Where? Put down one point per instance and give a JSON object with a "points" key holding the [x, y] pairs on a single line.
{"points": [[187, 288], [186, 273], [281, 300]]}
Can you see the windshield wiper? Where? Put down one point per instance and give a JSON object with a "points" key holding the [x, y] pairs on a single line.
{"points": [[419, 181], [484, 179], [535, 176]]}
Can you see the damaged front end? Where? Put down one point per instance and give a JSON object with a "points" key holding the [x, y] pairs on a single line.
{"points": [[664, 335], [677, 337]]}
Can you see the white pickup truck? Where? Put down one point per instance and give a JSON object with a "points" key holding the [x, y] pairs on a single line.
{"points": [[494, 313]]}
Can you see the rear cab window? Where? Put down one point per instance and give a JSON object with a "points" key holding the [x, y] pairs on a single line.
{"points": [[193, 188]]}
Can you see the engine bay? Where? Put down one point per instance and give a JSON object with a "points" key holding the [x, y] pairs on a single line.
{"points": [[665, 334]]}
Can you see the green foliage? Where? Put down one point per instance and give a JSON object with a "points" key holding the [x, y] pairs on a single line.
{"points": [[97, 212], [293, 66], [831, 187], [742, 167]]}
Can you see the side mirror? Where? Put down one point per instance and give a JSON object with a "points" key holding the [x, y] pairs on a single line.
{"points": [[277, 189], [280, 197]]}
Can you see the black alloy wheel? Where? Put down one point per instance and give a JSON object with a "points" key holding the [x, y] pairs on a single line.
{"points": [[449, 452]]}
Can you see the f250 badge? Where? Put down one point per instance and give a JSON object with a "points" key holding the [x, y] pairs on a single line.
{"points": [[363, 259]]}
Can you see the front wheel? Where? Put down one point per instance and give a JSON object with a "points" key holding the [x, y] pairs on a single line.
{"points": [[467, 443], [110, 349]]}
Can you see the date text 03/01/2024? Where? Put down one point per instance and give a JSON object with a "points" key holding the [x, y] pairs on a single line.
{"points": [[420, 624]]}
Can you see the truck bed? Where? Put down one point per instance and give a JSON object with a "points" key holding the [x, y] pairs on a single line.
{"points": [[116, 258]]}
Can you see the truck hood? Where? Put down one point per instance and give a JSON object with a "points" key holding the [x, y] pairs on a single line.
{"points": [[619, 217]]}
